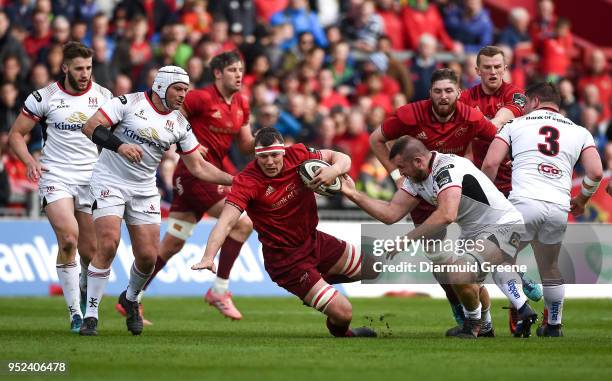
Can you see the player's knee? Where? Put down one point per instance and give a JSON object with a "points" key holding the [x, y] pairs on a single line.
{"points": [[243, 229], [107, 244], [170, 246], [68, 243]]}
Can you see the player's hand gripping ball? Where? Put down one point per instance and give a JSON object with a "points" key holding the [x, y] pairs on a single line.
{"points": [[307, 172]]}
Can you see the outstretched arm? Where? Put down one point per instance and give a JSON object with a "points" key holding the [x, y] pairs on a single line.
{"points": [[205, 171], [495, 156], [228, 218]]}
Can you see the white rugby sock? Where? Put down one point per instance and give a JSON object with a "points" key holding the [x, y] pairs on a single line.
{"points": [[96, 283], [137, 281], [220, 285], [553, 298], [510, 284], [487, 323], [83, 276], [475, 314], [68, 275]]}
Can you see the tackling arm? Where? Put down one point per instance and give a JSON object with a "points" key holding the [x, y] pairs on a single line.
{"points": [[205, 171], [495, 156], [591, 162], [444, 215], [228, 218], [245, 140]]}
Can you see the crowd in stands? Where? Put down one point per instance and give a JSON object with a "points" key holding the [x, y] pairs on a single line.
{"points": [[324, 72]]}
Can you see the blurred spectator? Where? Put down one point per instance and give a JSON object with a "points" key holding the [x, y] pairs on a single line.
{"points": [[597, 74], [39, 78], [569, 105], [341, 66], [326, 133], [100, 29], [374, 179], [240, 15], [420, 17], [396, 69], [265, 8], [122, 85], [66, 8], [196, 19], [393, 26], [289, 121], [355, 142], [376, 116], [267, 116], [590, 120], [55, 58], [364, 27], [471, 25], [329, 97], [9, 46], [21, 10], [156, 13], [469, 76], [297, 53], [102, 70], [422, 67], [40, 36], [78, 30], [9, 106], [298, 15], [543, 26], [195, 69], [590, 98], [60, 34], [328, 11], [219, 36], [133, 53], [556, 52], [12, 71], [516, 35]]}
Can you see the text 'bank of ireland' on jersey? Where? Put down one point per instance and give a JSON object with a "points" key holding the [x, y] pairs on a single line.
{"points": [[67, 152], [138, 122], [545, 146]]}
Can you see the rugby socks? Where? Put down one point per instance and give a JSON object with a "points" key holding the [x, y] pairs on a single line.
{"points": [[487, 323], [68, 275], [475, 314], [554, 293], [229, 252], [159, 265], [510, 284], [339, 330], [220, 285], [138, 279], [83, 275], [96, 283]]}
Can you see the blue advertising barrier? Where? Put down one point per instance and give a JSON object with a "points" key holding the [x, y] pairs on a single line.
{"points": [[28, 251]]}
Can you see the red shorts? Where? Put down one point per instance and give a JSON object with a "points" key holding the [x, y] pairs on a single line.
{"points": [[313, 259], [190, 194]]}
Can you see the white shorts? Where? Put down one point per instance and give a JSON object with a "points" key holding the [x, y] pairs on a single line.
{"points": [[52, 188], [135, 206], [506, 236], [544, 221]]}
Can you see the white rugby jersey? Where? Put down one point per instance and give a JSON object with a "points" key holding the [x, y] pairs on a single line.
{"points": [[67, 152], [137, 121], [544, 146], [481, 205]]}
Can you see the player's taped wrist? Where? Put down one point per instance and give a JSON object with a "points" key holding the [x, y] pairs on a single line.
{"points": [[592, 184], [104, 137], [395, 174]]}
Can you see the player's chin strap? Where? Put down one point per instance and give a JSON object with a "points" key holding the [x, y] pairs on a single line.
{"points": [[279, 147], [589, 187]]}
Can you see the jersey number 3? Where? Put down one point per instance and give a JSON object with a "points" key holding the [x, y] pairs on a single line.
{"points": [[551, 148]]}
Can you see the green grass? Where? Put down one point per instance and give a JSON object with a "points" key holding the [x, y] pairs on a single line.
{"points": [[279, 339]]}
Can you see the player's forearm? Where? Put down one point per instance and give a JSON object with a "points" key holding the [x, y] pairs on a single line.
{"points": [[381, 151], [490, 170], [381, 210], [18, 145], [205, 171], [341, 162], [435, 223], [502, 117]]}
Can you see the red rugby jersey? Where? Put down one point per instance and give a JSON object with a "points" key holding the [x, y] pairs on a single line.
{"points": [[283, 209], [508, 96], [214, 122]]}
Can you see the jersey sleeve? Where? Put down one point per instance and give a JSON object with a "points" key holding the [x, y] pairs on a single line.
{"points": [[588, 141], [243, 191], [194, 103], [35, 107], [187, 142], [393, 128], [409, 188], [515, 101], [447, 176], [485, 130], [115, 109], [504, 133], [305, 153]]}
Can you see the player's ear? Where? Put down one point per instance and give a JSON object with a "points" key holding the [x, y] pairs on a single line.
{"points": [[64, 68]]}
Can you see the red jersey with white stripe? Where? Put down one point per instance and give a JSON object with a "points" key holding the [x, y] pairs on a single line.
{"points": [[282, 208], [545, 146], [215, 123], [507, 96]]}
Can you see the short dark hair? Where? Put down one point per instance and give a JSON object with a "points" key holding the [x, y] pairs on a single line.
{"points": [[407, 143], [223, 60], [75, 49], [489, 51], [444, 73], [545, 92], [268, 136]]}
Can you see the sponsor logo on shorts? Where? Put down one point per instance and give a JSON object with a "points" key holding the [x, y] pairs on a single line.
{"points": [[50, 188], [152, 210], [304, 278], [550, 170], [179, 187], [104, 193]]}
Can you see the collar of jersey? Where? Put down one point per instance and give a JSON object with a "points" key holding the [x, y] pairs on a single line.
{"points": [[148, 96], [60, 84], [431, 161]]}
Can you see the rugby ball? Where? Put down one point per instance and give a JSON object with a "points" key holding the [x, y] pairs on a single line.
{"points": [[307, 170]]}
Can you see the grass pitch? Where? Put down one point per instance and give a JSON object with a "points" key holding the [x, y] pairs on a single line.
{"points": [[279, 339]]}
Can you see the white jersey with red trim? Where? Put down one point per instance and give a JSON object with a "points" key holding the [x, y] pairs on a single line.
{"points": [[67, 153], [544, 146], [482, 204], [135, 120]]}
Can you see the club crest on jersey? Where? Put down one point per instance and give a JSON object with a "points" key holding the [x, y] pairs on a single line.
{"points": [[519, 99], [460, 131], [93, 102], [550, 170], [169, 125]]}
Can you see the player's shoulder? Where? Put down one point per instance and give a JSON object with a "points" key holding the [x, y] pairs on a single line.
{"points": [[250, 175], [44, 94], [414, 112], [468, 113], [182, 120], [102, 90]]}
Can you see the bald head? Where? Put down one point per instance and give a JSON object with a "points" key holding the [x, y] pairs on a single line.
{"points": [[407, 148]]}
